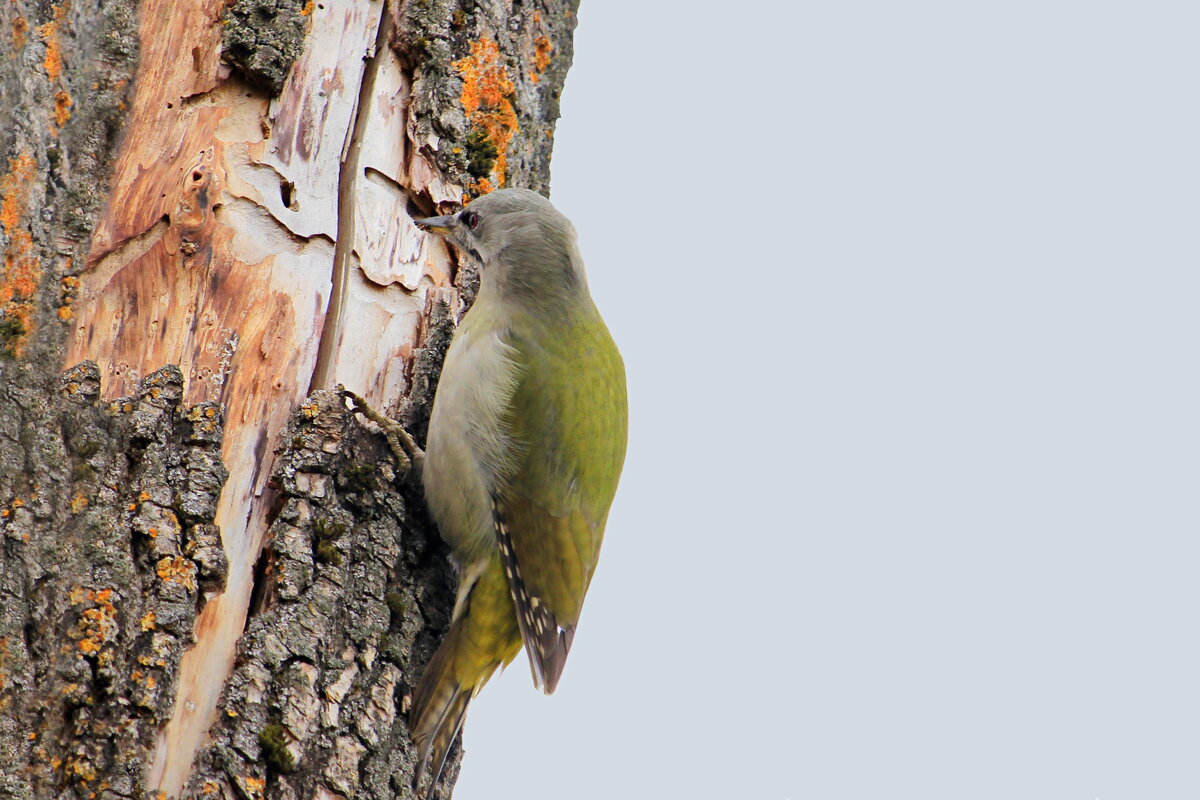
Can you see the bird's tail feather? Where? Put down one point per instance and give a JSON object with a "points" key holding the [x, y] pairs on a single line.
{"points": [[483, 637], [439, 708]]}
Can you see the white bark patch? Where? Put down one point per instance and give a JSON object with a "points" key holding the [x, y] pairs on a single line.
{"points": [[377, 718], [335, 693], [301, 706], [342, 771]]}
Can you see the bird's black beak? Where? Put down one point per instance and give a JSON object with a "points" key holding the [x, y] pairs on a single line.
{"points": [[442, 225]]}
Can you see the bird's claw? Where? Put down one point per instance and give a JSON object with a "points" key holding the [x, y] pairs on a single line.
{"points": [[401, 441]]}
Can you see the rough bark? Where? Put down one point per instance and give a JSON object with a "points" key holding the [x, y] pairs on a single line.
{"points": [[213, 582]]}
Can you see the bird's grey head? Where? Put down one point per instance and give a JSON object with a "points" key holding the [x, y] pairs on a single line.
{"points": [[522, 244]]}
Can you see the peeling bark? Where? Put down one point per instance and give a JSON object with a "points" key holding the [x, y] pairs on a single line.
{"points": [[213, 583]]}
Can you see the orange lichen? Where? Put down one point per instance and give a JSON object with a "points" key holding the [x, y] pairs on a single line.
{"points": [[62, 107], [49, 33], [542, 51], [98, 624], [22, 269], [69, 286], [177, 569], [485, 81], [308, 8], [80, 769], [486, 97], [78, 503], [148, 621], [14, 191], [20, 33]]}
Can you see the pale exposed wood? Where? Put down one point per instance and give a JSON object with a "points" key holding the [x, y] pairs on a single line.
{"points": [[385, 256]]}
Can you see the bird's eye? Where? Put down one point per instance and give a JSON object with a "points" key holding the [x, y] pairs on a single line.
{"points": [[471, 219]]}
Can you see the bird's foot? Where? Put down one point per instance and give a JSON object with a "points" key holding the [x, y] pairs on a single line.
{"points": [[403, 445]]}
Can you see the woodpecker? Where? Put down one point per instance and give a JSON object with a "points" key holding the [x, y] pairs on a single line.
{"points": [[525, 448]]}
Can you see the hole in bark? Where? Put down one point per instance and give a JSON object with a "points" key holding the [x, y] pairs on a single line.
{"points": [[260, 596], [170, 105], [287, 193], [197, 176], [197, 59], [419, 206]]}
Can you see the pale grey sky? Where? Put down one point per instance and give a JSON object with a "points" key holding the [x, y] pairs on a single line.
{"points": [[907, 294]]}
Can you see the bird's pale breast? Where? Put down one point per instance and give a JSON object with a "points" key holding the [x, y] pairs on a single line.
{"points": [[468, 446]]}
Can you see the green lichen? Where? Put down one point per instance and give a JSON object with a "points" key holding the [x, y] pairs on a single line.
{"points": [[397, 605], [327, 553], [327, 529], [360, 477], [273, 740], [481, 154], [11, 331]]}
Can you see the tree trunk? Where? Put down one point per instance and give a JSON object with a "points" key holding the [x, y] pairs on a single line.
{"points": [[214, 582]]}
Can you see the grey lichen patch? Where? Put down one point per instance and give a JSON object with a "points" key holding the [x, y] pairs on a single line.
{"points": [[263, 38], [324, 668]]}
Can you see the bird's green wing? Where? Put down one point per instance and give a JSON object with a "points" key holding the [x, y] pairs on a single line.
{"points": [[568, 422]]}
